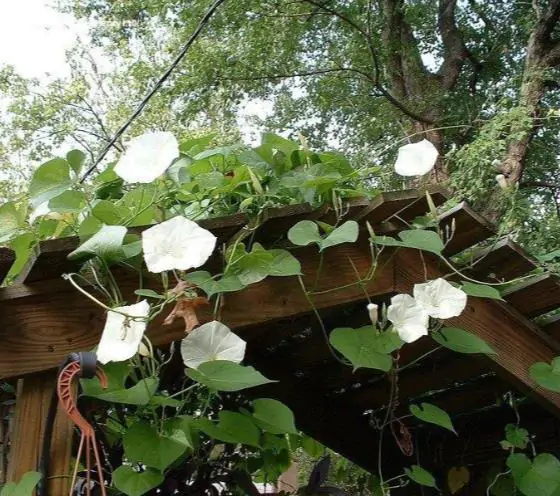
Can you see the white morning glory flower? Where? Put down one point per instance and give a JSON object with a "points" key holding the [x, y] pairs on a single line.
{"points": [[409, 319], [177, 243], [416, 159], [212, 341], [440, 299], [147, 157], [122, 335]]}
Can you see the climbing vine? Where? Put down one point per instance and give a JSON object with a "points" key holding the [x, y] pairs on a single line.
{"points": [[198, 432]]}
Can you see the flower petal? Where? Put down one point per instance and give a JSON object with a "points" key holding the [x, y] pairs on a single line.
{"points": [[122, 335], [416, 159], [440, 299], [409, 319], [178, 243], [147, 157], [212, 341]]}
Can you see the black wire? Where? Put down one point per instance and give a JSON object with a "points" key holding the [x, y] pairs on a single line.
{"points": [[211, 10]]}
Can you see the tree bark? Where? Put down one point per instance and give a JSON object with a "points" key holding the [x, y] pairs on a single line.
{"points": [[541, 55]]}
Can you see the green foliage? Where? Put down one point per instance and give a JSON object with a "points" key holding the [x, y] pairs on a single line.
{"points": [[416, 238], [537, 477], [366, 347], [273, 416], [480, 290], [516, 437], [25, 487], [432, 414], [547, 375], [420, 476], [222, 375], [135, 483], [461, 341]]}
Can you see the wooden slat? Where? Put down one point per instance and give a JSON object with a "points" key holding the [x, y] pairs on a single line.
{"points": [[501, 262], [385, 205], [38, 331], [517, 341], [49, 259], [470, 228], [420, 206], [552, 327], [535, 296], [33, 400], [7, 258]]}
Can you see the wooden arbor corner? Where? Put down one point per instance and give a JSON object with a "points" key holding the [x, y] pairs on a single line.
{"points": [[42, 319]]}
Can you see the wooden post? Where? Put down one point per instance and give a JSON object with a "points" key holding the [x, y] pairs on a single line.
{"points": [[32, 404]]}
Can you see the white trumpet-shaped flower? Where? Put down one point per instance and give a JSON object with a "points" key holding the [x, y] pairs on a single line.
{"points": [[147, 157], [440, 299], [409, 319], [122, 334], [178, 243], [416, 159], [212, 341]]}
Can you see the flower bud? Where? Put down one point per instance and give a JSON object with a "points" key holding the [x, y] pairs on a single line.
{"points": [[373, 312]]}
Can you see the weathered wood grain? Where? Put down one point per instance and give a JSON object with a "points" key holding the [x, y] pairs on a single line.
{"points": [[535, 296], [33, 400], [39, 330]]}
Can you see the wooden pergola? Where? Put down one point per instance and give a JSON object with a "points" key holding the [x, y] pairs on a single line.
{"points": [[42, 319]]}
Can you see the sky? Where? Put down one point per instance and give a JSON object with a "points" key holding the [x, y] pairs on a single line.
{"points": [[34, 38]]}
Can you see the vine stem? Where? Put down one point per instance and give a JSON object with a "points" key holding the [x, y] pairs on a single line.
{"points": [[421, 357], [321, 324]]}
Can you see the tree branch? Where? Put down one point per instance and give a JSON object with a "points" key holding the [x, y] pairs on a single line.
{"points": [[455, 51], [539, 184], [376, 75]]}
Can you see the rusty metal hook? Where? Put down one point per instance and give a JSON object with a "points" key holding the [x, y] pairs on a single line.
{"points": [[87, 438]]}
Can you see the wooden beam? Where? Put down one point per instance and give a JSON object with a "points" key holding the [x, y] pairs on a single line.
{"points": [[470, 228], [38, 331], [517, 341], [535, 296], [502, 261], [50, 260], [32, 404]]}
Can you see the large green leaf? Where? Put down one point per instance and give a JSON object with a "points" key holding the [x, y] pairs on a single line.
{"points": [[461, 341], [223, 375], [212, 286], [9, 221], [233, 427], [423, 240], [49, 180], [541, 477], [144, 444], [547, 375], [139, 394], [25, 487], [433, 414], [480, 290], [366, 347], [106, 243], [304, 233], [346, 233], [69, 201], [273, 416], [420, 476], [414, 238], [76, 160], [133, 483]]}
